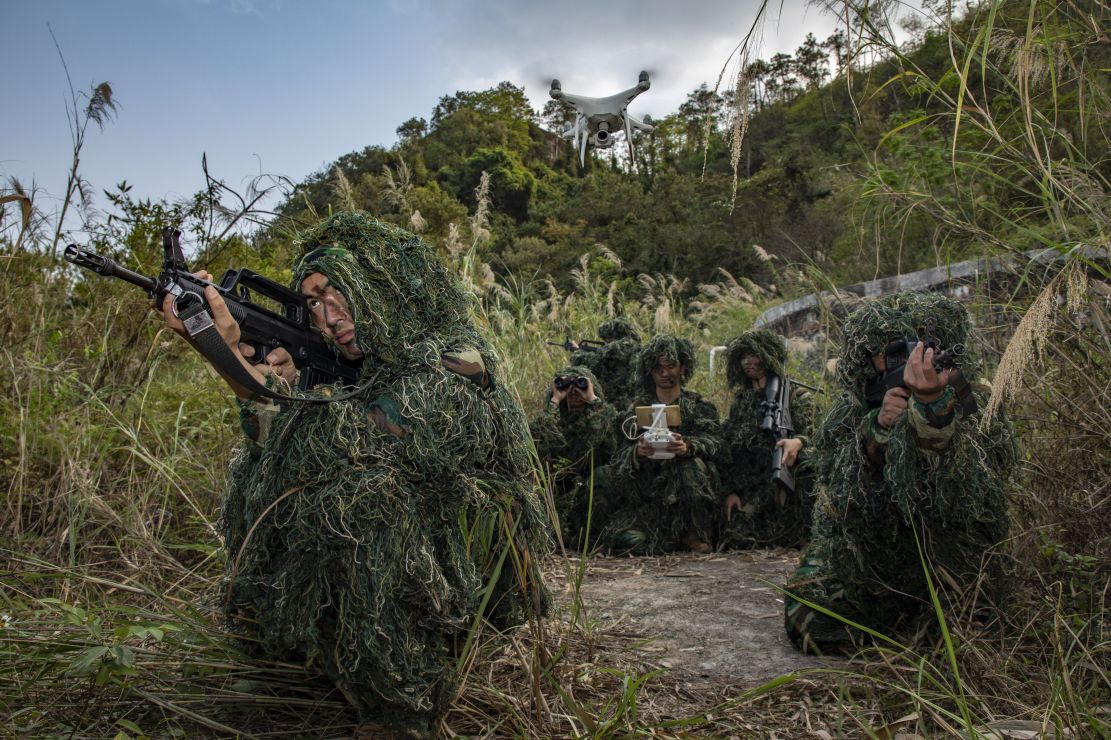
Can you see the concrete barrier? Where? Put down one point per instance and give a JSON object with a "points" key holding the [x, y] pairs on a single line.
{"points": [[957, 278]]}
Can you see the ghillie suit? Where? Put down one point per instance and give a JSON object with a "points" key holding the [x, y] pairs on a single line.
{"points": [[614, 363], [662, 505], [361, 534], [574, 445], [769, 516], [933, 475]]}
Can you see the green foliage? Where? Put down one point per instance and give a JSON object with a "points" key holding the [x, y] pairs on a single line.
{"points": [[511, 184], [986, 135]]}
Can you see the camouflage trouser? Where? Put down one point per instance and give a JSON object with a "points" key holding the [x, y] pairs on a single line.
{"points": [[581, 502], [809, 629], [767, 518], [664, 506], [864, 602]]}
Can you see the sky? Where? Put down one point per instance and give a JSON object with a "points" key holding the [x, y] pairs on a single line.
{"points": [[287, 86]]}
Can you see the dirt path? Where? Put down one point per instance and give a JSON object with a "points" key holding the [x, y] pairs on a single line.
{"points": [[715, 618]]}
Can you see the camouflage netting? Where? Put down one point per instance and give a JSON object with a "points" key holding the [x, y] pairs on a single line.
{"points": [[768, 516], [615, 329], [674, 349], [875, 323], [362, 533], [573, 443], [949, 483], [614, 363], [664, 505], [766, 345]]}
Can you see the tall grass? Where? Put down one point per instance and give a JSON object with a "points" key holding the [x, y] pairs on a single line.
{"points": [[113, 462], [114, 440]]}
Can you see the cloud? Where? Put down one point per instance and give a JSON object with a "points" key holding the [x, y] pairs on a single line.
{"points": [[599, 48]]}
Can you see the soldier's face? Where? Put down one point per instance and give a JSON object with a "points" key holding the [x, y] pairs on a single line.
{"points": [[667, 374], [753, 367], [575, 398], [331, 314]]}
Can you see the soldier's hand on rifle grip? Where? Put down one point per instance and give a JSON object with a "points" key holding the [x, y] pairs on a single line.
{"points": [[278, 363], [895, 403], [225, 325], [791, 449], [221, 317]]}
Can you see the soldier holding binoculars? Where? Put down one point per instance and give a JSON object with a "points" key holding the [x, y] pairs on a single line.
{"points": [[574, 438]]}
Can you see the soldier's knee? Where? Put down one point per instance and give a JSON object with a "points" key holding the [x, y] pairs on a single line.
{"points": [[812, 630]]}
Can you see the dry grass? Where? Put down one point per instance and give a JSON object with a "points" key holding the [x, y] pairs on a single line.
{"points": [[110, 552], [113, 444]]}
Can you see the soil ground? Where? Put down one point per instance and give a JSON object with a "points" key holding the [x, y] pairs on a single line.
{"points": [[714, 619]]}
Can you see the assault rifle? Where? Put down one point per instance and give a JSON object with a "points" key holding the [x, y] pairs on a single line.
{"points": [[897, 353], [584, 345], [777, 422], [285, 324]]}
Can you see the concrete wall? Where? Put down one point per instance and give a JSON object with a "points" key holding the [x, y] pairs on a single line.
{"points": [[800, 316]]}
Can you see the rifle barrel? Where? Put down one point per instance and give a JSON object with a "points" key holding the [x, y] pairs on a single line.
{"points": [[107, 266]]}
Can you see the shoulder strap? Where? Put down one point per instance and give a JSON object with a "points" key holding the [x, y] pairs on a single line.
{"points": [[202, 330]]}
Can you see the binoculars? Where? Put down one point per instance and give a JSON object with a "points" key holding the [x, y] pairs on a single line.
{"points": [[562, 383]]}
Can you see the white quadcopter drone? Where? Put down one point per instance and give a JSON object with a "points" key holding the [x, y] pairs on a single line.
{"points": [[599, 119]]}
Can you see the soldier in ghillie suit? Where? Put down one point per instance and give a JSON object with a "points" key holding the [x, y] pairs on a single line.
{"points": [[574, 437], [353, 527], [909, 469], [667, 505], [757, 512], [614, 362]]}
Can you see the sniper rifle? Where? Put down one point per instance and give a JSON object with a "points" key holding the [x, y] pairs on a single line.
{"points": [[777, 422]]}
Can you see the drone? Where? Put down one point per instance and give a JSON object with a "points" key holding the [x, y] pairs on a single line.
{"points": [[599, 119]]}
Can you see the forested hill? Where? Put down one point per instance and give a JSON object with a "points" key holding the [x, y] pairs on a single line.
{"points": [[849, 164]]}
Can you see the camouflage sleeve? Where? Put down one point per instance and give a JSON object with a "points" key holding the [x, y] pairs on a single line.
{"points": [[591, 430], [933, 422], [802, 416], [731, 430], [623, 458], [702, 432], [547, 434], [256, 417]]}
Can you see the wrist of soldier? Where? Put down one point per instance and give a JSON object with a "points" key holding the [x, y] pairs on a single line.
{"points": [[939, 412], [872, 430], [928, 398]]}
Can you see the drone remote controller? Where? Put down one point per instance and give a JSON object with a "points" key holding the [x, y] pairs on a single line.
{"points": [[657, 435]]}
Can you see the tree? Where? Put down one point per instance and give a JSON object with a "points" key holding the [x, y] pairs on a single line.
{"points": [[837, 45], [782, 83], [699, 114], [556, 115], [758, 73], [505, 100], [511, 184], [812, 63], [412, 130]]}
